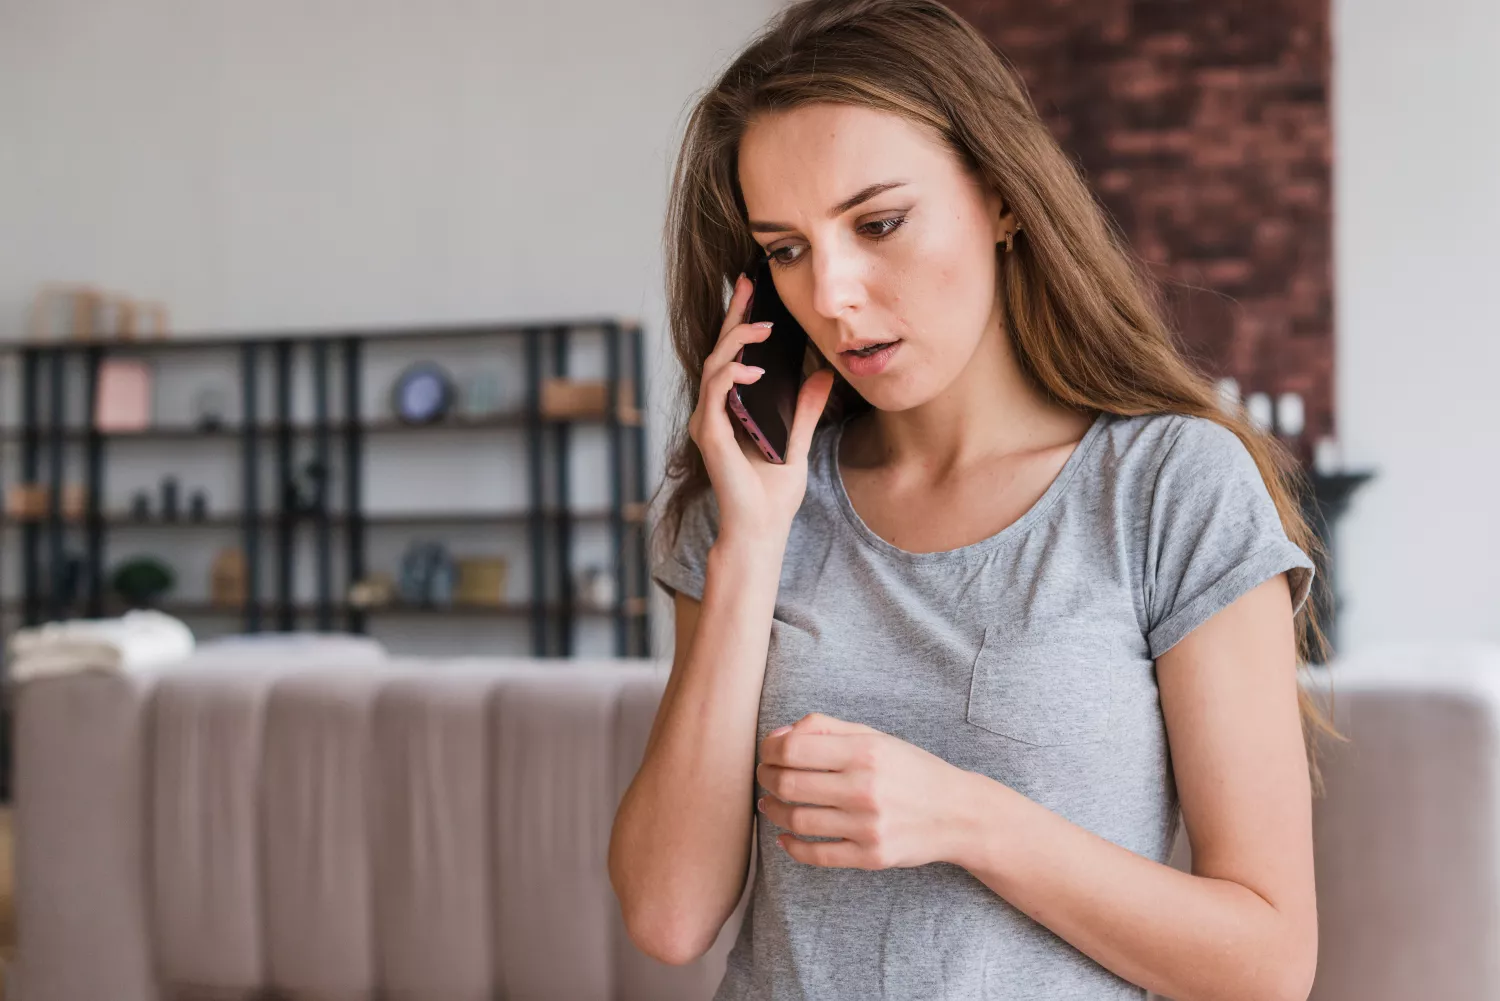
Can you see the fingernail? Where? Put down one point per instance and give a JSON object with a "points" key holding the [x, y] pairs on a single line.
{"points": [[740, 278], [768, 324], [757, 370], [778, 731], [760, 804]]}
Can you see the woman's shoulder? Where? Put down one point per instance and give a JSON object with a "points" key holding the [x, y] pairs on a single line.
{"points": [[1207, 527], [1148, 462], [1144, 446]]}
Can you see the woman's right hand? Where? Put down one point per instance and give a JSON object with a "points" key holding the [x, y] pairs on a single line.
{"points": [[757, 498]]}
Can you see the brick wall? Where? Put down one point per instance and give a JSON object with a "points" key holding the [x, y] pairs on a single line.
{"points": [[1204, 127]]}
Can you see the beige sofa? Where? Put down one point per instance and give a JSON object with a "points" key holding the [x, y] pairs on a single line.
{"points": [[1407, 841], [335, 827], [342, 825]]}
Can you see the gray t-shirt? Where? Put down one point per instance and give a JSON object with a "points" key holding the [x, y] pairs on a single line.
{"points": [[1029, 657]]}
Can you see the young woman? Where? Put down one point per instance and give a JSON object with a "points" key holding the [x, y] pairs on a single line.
{"points": [[1020, 593]]}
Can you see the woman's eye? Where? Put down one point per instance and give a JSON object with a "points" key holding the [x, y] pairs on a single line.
{"points": [[891, 225], [877, 230]]}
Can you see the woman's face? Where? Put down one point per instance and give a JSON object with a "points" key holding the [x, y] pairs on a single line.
{"points": [[914, 264]]}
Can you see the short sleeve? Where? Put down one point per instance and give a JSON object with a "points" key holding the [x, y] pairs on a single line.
{"points": [[683, 565], [1213, 534]]}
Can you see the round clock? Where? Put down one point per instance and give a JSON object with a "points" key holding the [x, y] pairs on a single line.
{"points": [[423, 393]]}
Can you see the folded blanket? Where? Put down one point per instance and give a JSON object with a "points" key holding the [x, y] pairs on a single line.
{"points": [[139, 639]]}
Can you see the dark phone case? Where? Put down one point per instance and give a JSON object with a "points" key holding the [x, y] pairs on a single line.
{"points": [[765, 407]]}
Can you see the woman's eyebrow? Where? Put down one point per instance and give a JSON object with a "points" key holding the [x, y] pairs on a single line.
{"points": [[862, 195]]}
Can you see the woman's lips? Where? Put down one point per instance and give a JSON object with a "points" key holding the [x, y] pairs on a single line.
{"points": [[872, 364]]}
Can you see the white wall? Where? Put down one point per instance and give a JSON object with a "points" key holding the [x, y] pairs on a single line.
{"points": [[1417, 246], [283, 163]]}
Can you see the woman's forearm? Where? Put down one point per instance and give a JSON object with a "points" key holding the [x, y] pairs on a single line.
{"points": [[1186, 937], [680, 847]]}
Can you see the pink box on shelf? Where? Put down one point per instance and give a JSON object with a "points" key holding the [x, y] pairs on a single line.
{"points": [[122, 401]]}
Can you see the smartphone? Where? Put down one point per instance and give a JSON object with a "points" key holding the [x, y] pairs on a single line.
{"points": [[764, 408]]}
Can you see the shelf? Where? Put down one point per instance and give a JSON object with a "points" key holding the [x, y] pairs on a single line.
{"points": [[633, 514], [628, 417], [182, 609], [334, 365], [391, 334]]}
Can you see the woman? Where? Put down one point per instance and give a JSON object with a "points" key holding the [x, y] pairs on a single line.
{"points": [[1020, 593]]}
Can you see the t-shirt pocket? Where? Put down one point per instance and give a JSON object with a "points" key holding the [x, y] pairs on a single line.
{"points": [[1040, 689]]}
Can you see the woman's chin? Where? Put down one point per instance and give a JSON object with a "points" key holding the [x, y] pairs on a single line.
{"points": [[889, 394]]}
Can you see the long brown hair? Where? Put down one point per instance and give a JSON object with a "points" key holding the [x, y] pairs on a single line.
{"points": [[1085, 316]]}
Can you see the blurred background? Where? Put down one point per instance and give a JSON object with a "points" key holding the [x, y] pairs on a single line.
{"points": [[349, 317], [1316, 178]]}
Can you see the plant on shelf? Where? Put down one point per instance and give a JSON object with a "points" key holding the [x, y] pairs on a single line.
{"points": [[142, 581]]}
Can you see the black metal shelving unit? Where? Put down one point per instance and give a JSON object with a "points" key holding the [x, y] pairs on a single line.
{"points": [[46, 441]]}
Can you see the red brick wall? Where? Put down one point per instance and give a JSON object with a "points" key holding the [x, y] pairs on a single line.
{"points": [[1204, 127]]}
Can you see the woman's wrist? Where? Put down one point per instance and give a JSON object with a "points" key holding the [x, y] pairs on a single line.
{"points": [[750, 549], [981, 815]]}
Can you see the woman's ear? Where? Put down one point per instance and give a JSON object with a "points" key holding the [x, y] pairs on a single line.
{"points": [[998, 212]]}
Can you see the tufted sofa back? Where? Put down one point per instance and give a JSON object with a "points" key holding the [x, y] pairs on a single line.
{"points": [[333, 827]]}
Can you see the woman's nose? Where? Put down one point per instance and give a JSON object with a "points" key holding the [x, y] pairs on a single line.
{"points": [[838, 284]]}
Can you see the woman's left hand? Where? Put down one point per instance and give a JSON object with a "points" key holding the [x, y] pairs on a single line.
{"points": [[892, 803]]}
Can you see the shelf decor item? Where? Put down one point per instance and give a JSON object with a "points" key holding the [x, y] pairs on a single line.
{"points": [[126, 314], [481, 395], [226, 579], [169, 498], [442, 581], [26, 501], [1291, 416], [142, 580], [596, 587], [64, 310], [1327, 458], [122, 398], [581, 397], [310, 488], [1259, 408], [1229, 394], [307, 490], [428, 575], [198, 506], [372, 591], [86, 312], [481, 580], [140, 506], [210, 404], [411, 577], [422, 394], [75, 501]]}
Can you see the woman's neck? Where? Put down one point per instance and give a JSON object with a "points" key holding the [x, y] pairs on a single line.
{"points": [[991, 411]]}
